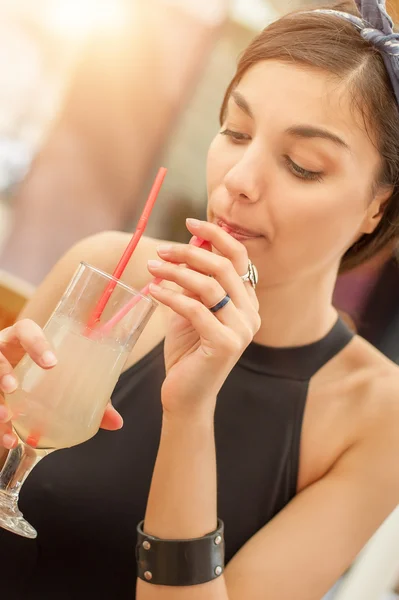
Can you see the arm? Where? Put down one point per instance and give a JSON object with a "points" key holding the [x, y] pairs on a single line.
{"points": [[182, 500], [103, 251], [306, 548]]}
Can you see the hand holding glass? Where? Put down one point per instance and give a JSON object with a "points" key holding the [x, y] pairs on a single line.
{"points": [[64, 406]]}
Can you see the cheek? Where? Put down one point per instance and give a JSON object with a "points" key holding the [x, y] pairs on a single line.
{"points": [[317, 221], [328, 203]]}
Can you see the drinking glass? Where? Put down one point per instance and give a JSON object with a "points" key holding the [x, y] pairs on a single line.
{"points": [[64, 406]]}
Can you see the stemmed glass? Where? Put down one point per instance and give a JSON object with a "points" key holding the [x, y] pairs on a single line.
{"points": [[63, 407]]}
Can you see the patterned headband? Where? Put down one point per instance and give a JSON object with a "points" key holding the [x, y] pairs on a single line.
{"points": [[376, 27]]}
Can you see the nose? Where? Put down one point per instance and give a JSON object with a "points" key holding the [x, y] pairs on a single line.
{"points": [[243, 180]]}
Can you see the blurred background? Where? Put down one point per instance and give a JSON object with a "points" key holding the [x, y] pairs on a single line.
{"points": [[94, 96]]}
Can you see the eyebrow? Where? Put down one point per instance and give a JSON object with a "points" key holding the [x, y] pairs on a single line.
{"points": [[242, 103], [298, 131], [308, 132]]}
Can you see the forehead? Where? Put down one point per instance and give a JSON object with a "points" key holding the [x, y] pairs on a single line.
{"points": [[281, 95]]}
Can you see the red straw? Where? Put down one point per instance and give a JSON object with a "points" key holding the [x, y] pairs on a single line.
{"points": [[195, 241], [141, 225], [34, 436]]}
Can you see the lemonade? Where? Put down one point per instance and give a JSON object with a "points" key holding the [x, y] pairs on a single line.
{"points": [[63, 406]]}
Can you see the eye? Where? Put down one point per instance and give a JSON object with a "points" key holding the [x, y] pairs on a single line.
{"points": [[236, 136], [301, 173]]}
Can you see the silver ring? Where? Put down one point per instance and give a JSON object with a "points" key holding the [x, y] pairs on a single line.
{"points": [[251, 275], [220, 304]]}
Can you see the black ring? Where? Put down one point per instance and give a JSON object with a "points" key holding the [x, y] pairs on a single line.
{"points": [[220, 304]]}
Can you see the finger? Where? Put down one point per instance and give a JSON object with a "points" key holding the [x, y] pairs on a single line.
{"points": [[208, 263], [8, 381], [207, 289], [9, 440], [226, 245], [222, 241], [5, 413], [208, 325], [112, 420], [33, 341], [200, 243]]}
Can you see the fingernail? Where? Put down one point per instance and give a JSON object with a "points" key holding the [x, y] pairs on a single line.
{"points": [[155, 263], [193, 222], [48, 359], [8, 440], [154, 287], [164, 248], [8, 384]]}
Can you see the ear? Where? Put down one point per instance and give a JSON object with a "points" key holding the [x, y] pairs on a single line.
{"points": [[375, 210]]}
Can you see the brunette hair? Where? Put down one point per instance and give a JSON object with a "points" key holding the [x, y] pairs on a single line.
{"points": [[332, 44]]}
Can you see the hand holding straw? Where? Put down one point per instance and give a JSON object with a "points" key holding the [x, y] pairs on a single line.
{"points": [[195, 241]]}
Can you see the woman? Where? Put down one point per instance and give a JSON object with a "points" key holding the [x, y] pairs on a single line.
{"points": [[304, 415]]}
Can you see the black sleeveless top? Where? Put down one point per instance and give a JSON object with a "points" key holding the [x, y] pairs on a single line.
{"points": [[86, 501]]}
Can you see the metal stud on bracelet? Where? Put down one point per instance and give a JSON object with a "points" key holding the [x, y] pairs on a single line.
{"points": [[180, 562]]}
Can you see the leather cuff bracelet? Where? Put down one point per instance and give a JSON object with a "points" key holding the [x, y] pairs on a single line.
{"points": [[180, 562]]}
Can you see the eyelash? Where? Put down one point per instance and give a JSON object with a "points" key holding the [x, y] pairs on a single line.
{"points": [[236, 135], [295, 169], [301, 173]]}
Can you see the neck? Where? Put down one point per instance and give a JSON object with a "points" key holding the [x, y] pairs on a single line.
{"points": [[297, 313]]}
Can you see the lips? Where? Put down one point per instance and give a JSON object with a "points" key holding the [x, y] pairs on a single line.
{"points": [[237, 232]]}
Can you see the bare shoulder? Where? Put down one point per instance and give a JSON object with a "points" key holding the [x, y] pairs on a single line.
{"points": [[102, 250], [355, 397], [375, 376], [338, 508], [372, 385]]}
